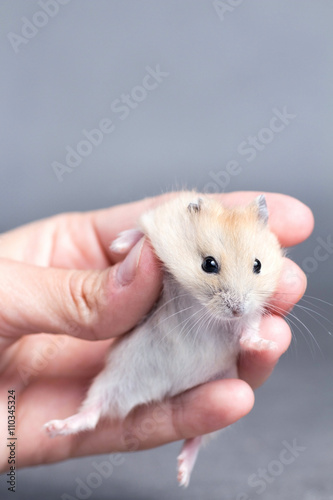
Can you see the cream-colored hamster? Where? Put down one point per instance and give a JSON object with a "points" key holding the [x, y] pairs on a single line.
{"points": [[221, 267]]}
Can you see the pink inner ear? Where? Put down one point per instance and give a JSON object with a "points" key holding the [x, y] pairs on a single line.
{"points": [[126, 240]]}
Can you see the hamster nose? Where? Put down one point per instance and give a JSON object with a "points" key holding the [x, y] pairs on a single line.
{"points": [[236, 309]]}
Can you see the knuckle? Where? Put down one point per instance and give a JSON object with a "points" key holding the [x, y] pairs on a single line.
{"points": [[86, 296]]}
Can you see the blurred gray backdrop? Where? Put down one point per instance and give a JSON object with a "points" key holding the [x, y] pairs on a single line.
{"points": [[217, 95]]}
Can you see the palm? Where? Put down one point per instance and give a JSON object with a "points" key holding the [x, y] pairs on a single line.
{"points": [[38, 366]]}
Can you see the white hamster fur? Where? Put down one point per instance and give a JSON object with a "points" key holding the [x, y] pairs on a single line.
{"points": [[221, 267]]}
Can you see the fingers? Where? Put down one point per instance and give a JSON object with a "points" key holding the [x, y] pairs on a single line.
{"points": [[207, 408], [291, 287], [289, 218], [198, 411], [255, 366], [83, 240], [86, 304]]}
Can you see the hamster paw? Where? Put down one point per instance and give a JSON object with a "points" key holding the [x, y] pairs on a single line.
{"points": [[56, 427], [183, 472], [258, 344], [125, 241], [83, 421], [186, 460]]}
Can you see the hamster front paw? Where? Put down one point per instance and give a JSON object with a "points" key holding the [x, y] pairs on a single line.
{"points": [[258, 344]]}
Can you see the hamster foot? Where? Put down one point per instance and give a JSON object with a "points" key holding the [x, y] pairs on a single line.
{"points": [[83, 421], [187, 458]]}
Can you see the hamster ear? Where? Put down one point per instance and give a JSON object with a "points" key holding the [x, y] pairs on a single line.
{"points": [[195, 206], [261, 204]]}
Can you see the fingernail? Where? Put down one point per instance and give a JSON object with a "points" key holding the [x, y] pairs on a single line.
{"points": [[127, 270], [125, 240]]}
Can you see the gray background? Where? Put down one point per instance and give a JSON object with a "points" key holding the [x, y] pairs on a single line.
{"points": [[226, 75]]}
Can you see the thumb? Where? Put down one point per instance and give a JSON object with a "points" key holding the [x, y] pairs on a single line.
{"points": [[87, 304]]}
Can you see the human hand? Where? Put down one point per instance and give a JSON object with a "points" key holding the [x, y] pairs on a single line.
{"points": [[59, 276]]}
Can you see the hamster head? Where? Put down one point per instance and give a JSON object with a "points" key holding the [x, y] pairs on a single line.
{"points": [[227, 258]]}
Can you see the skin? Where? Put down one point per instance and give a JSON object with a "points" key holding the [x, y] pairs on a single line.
{"points": [[59, 276]]}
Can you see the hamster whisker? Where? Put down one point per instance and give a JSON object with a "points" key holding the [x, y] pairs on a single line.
{"points": [[178, 324], [173, 314], [318, 307], [176, 297], [184, 323], [279, 310], [305, 299], [205, 318], [292, 323], [195, 323], [311, 312], [317, 298], [203, 326], [211, 320]]}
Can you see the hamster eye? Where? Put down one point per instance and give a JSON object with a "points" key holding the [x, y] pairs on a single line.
{"points": [[209, 265], [256, 266]]}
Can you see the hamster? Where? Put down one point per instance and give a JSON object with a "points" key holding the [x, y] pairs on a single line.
{"points": [[221, 267]]}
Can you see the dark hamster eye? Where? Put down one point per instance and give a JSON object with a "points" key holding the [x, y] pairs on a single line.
{"points": [[256, 266], [209, 265]]}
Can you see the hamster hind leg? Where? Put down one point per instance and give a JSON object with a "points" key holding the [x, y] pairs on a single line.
{"points": [[87, 415], [104, 398], [191, 447], [84, 420], [187, 458]]}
